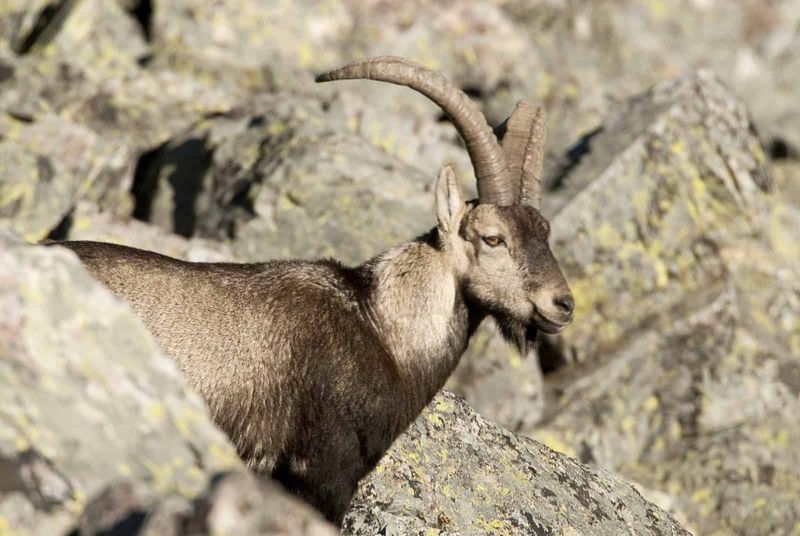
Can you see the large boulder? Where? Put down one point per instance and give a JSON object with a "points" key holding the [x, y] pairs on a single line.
{"points": [[49, 164], [595, 53], [87, 398], [89, 64], [686, 343], [249, 46], [642, 217], [453, 472], [281, 178]]}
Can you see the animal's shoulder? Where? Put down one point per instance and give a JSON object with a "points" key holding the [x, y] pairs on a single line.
{"points": [[322, 281]]}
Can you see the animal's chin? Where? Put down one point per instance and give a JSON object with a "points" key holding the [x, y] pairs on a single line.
{"points": [[522, 335]]}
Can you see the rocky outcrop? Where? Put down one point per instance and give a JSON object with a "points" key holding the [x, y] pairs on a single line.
{"points": [[87, 397], [453, 472], [49, 164], [686, 267], [281, 179], [99, 430], [193, 128]]}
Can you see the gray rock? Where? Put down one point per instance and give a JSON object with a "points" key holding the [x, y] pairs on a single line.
{"points": [[90, 67], [639, 220], [50, 163], [87, 398], [453, 472], [234, 503], [281, 179], [683, 265], [591, 56], [247, 46]]}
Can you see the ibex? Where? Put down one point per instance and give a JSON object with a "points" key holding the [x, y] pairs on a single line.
{"points": [[314, 368]]}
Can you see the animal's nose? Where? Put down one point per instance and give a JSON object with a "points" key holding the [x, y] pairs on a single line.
{"points": [[565, 303]]}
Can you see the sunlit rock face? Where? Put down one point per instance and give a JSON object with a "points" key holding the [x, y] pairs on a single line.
{"points": [[193, 128]]}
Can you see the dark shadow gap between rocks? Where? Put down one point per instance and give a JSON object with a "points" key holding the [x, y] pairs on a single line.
{"points": [[190, 160], [47, 25], [780, 149], [61, 231], [144, 184], [573, 157], [186, 163], [142, 11]]}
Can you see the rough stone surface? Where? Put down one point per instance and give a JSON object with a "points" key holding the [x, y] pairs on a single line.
{"points": [[688, 329], [110, 446], [234, 503], [453, 472], [680, 370], [640, 219], [90, 67], [87, 397], [595, 53], [49, 164], [281, 181]]}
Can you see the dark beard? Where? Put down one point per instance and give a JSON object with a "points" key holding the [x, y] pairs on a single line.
{"points": [[523, 336]]}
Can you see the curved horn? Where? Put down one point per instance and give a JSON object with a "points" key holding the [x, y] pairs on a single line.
{"points": [[524, 134], [494, 183]]}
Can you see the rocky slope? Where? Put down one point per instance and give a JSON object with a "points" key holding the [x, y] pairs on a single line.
{"points": [[193, 128]]}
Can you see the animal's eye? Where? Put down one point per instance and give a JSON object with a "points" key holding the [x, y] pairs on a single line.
{"points": [[493, 240]]}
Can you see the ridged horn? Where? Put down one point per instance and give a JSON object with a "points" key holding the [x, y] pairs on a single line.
{"points": [[523, 135], [494, 183]]}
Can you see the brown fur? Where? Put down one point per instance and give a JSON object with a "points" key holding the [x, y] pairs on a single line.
{"points": [[313, 368]]}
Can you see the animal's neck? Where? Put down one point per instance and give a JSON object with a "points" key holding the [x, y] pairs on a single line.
{"points": [[418, 308]]}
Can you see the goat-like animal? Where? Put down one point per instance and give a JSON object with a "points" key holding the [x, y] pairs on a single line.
{"points": [[313, 368]]}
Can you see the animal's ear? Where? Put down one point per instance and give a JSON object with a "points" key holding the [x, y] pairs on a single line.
{"points": [[449, 200]]}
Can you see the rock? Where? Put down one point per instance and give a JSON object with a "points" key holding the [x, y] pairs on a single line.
{"points": [[87, 398], [243, 504], [640, 219], [453, 472], [282, 180], [91, 67], [687, 328], [87, 222], [596, 54], [240, 44], [786, 174], [49, 164], [578, 60], [475, 44], [235, 503]]}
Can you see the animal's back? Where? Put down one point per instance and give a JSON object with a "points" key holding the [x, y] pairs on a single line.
{"points": [[274, 349]]}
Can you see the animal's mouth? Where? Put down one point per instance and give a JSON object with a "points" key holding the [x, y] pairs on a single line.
{"points": [[548, 323]]}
